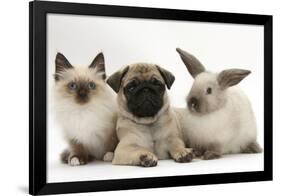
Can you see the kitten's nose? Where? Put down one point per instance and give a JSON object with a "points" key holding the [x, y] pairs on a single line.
{"points": [[193, 103], [82, 93]]}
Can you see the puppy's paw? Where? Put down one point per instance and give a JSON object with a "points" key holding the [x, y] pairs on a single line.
{"points": [[148, 160], [183, 156], [108, 157], [76, 160], [209, 155], [198, 152]]}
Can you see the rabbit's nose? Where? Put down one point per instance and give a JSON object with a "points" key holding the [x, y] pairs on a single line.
{"points": [[193, 103]]}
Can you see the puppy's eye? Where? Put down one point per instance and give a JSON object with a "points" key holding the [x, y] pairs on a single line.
{"points": [[155, 81], [91, 85], [131, 88], [132, 85], [72, 85], [209, 90]]}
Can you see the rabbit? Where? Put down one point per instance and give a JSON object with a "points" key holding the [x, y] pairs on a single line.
{"points": [[219, 118]]}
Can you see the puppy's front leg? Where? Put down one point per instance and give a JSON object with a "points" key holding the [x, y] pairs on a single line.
{"points": [[132, 154], [178, 151]]}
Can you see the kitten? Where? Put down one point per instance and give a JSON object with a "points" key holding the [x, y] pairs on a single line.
{"points": [[85, 109]]}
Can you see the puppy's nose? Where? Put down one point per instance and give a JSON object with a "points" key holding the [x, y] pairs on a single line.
{"points": [[193, 103], [145, 90]]}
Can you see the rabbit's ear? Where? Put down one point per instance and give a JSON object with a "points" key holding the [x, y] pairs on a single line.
{"points": [[193, 65], [114, 81], [231, 77]]}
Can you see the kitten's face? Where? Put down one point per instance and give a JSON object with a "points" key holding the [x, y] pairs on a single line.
{"points": [[79, 84]]}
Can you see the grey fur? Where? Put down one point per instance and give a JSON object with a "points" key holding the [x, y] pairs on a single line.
{"points": [[253, 147], [231, 77], [217, 121], [193, 65]]}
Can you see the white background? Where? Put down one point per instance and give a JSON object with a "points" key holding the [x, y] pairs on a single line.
{"points": [[14, 96], [126, 40]]}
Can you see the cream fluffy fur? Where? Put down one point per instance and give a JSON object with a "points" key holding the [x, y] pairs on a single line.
{"points": [[91, 124]]}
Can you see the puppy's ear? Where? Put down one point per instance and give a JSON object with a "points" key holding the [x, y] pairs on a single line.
{"points": [[168, 77], [99, 65], [231, 77], [61, 64], [114, 81], [193, 65]]}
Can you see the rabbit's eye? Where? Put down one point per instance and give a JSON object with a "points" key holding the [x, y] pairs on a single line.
{"points": [[209, 90]]}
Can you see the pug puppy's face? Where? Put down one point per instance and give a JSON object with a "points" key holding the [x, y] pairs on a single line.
{"points": [[141, 88], [144, 94]]}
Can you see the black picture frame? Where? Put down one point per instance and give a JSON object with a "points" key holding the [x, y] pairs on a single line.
{"points": [[38, 11]]}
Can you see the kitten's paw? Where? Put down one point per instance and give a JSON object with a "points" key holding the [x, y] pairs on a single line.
{"points": [[64, 156], [76, 161], [148, 160], [183, 156], [208, 155]]}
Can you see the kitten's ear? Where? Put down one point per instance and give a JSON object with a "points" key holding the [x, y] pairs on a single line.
{"points": [[168, 77], [98, 64], [231, 77], [114, 81], [61, 65], [193, 65]]}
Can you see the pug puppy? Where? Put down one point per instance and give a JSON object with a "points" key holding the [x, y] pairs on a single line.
{"points": [[147, 127]]}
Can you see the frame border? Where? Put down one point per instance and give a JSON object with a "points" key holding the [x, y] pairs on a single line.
{"points": [[37, 97]]}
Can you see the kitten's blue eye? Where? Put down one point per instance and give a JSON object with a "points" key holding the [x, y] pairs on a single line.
{"points": [[92, 85], [72, 86]]}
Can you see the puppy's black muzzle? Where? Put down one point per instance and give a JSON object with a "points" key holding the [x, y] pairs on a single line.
{"points": [[144, 99]]}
